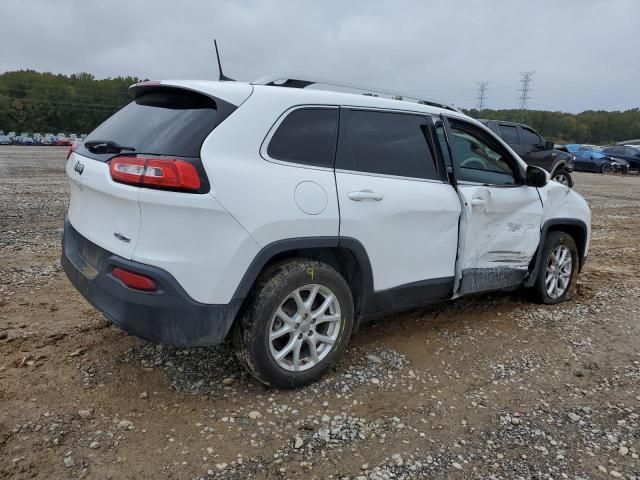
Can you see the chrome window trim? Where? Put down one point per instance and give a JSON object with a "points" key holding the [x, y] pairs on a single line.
{"points": [[466, 183], [397, 177]]}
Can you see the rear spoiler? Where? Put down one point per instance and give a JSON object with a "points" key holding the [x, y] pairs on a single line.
{"points": [[232, 93]]}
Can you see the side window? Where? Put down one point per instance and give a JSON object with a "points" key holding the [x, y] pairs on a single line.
{"points": [[480, 159], [509, 134], [530, 138], [307, 136], [385, 143]]}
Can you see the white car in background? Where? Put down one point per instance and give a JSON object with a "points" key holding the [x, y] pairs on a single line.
{"points": [[285, 216]]}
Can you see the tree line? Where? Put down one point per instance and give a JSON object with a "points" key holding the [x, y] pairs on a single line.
{"points": [[45, 102], [597, 127]]}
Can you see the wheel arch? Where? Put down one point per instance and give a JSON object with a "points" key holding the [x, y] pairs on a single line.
{"points": [[560, 164], [347, 255], [577, 229]]}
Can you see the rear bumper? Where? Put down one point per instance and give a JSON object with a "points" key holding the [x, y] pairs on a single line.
{"points": [[168, 315]]}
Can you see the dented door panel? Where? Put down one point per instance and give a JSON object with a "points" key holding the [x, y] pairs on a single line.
{"points": [[500, 232]]}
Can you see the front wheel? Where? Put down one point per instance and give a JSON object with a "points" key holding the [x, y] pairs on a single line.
{"points": [[558, 270], [296, 325], [606, 168], [563, 176]]}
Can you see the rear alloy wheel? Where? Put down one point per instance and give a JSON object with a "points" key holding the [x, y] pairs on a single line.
{"points": [[606, 168], [564, 177], [558, 269], [296, 324], [305, 328]]}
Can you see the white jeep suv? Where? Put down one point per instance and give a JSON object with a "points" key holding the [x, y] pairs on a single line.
{"points": [[282, 216]]}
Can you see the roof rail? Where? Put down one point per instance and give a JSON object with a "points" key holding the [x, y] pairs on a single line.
{"points": [[299, 81]]}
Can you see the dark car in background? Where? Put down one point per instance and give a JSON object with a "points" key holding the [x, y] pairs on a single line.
{"points": [[25, 140], [534, 149], [5, 140], [630, 154], [591, 158]]}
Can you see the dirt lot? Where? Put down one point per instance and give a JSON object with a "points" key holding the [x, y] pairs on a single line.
{"points": [[484, 387]]}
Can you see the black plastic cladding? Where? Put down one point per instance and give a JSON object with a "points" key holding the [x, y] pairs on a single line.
{"points": [[557, 224], [374, 303], [168, 315]]}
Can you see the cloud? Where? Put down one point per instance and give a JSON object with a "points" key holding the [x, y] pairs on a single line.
{"points": [[585, 52]]}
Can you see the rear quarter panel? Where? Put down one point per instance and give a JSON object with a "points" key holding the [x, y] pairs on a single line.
{"points": [[260, 194], [195, 239]]}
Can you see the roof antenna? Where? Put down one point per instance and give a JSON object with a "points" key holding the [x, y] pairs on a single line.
{"points": [[222, 76]]}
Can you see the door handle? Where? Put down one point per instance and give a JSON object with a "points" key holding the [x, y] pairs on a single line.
{"points": [[365, 195], [476, 202]]}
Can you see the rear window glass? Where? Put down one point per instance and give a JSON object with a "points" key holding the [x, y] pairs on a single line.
{"points": [[307, 136], [173, 122]]}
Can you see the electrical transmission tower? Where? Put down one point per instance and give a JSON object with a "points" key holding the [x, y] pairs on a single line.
{"points": [[526, 79], [482, 94]]}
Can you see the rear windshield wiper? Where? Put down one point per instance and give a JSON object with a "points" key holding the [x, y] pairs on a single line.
{"points": [[106, 146]]}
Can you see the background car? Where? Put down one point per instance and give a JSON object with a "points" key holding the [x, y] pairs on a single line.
{"points": [[61, 141], [25, 140], [589, 158], [534, 149], [5, 140], [628, 153]]}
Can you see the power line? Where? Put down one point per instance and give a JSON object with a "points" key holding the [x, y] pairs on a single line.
{"points": [[482, 94], [526, 79]]}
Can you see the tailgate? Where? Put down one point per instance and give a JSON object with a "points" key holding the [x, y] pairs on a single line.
{"points": [[101, 210]]}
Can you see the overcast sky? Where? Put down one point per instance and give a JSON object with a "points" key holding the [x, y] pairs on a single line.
{"points": [[586, 53]]}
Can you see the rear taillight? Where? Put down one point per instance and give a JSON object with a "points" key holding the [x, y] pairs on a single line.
{"points": [[169, 173], [71, 150], [134, 280]]}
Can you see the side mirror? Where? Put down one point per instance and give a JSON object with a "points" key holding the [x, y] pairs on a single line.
{"points": [[548, 145], [536, 177]]}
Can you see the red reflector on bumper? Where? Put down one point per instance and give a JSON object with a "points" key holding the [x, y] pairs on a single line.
{"points": [[134, 280]]}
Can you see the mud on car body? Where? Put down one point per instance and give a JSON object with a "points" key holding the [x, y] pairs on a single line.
{"points": [[282, 217]]}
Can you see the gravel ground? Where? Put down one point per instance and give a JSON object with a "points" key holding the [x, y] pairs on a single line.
{"points": [[488, 387]]}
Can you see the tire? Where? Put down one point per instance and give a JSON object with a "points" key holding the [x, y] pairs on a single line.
{"points": [[541, 289], [273, 308], [561, 175], [606, 168]]}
